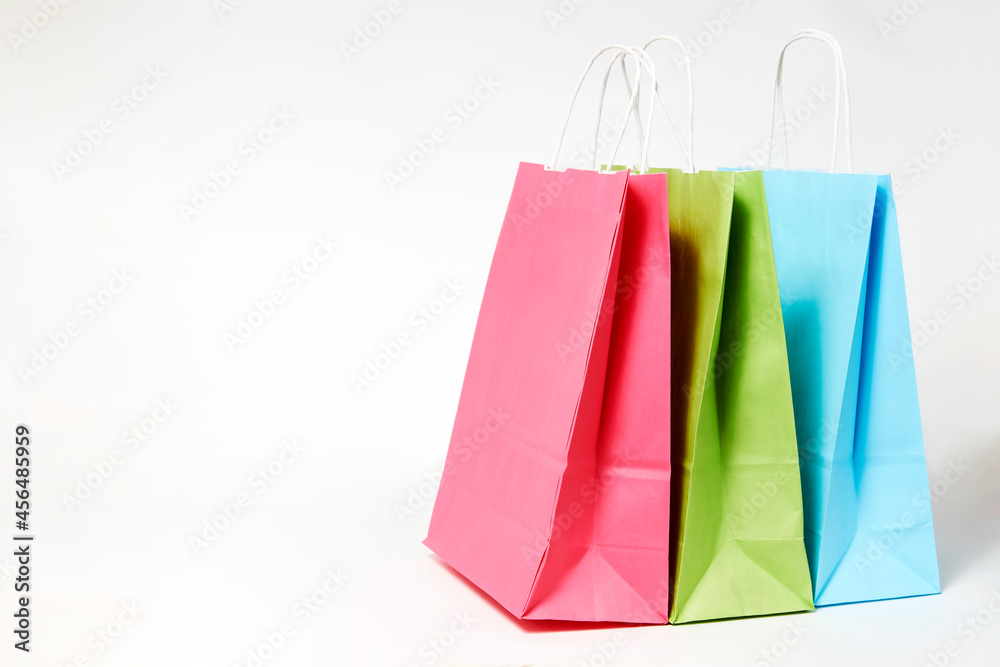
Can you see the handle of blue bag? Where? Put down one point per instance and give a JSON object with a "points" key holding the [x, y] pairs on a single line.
{"points": [[778, 108], [687, 148], [642, 61]]}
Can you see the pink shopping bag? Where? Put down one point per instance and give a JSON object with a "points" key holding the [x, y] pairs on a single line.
{"points": [[555, 494], [613, 563]]}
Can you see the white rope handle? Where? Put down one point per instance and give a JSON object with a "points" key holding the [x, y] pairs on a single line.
{"points": [[840, 74], [650, 67], [644, 140], [640, 133], [687, 150], [641, 61], [645, 63]]}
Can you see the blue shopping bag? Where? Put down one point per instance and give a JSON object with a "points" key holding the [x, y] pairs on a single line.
{"points": [[868, 525]]}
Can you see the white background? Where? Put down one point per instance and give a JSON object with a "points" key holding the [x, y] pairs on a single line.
{"points": [[335, 505]]}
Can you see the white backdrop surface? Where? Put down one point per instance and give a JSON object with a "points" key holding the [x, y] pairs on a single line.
{"points": [[199, 247]]}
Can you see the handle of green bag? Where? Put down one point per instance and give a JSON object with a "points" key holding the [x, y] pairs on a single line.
{"points": [[778, 108], [640, 132], [687, 148], [642, 61]]}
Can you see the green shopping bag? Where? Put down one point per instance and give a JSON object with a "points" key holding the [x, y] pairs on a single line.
{"points": [[739, 536], [738, 530]]}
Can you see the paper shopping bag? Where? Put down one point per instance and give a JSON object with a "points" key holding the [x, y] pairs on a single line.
{"points": [[738, 532], [561, 511], [869, 530]]}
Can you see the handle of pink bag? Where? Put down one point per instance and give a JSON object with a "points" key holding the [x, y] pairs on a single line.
{"points": [[642, 61], [778, 109]]}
